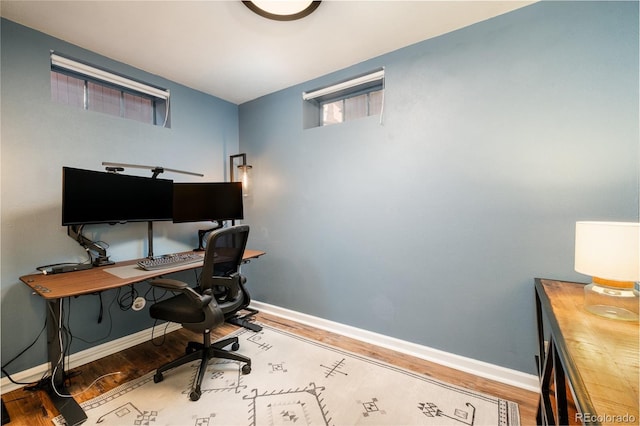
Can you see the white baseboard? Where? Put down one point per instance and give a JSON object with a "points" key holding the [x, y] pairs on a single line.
{"points": [[83, 357], [479, 368], [504, 375]]}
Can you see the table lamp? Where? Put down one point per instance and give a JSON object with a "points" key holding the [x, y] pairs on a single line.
{"points": [[610, 253]]}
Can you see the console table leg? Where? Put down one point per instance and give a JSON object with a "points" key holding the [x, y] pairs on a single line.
{"points": [[560, 389]]}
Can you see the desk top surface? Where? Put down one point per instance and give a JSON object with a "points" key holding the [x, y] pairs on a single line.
{"points": [[603, 352], [104, 277]]}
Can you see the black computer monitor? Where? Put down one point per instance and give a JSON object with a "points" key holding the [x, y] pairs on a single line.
{"points": [[207, 201], [99, 197]]}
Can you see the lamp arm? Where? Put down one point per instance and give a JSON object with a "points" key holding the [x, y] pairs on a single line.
{"points": [[154, 169]]}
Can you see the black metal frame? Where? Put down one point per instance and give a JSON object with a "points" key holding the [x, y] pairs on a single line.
{"points": [[555, 367], [243, 156], [237, 319]]}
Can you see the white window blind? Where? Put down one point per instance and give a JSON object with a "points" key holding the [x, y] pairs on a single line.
{"points": [[68, 64], [345, 85]]}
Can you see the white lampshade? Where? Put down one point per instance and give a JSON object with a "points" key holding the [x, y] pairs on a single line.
{"points": [[609, 250]]}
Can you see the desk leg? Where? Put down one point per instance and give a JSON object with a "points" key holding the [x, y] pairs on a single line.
{"points": [[54, 342], [66, 405]]}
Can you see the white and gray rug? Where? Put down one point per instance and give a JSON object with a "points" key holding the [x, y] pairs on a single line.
{"points": [[296, 381]]}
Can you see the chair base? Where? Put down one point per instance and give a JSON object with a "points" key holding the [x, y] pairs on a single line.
{"points": [[243, 320], [205, 352]]}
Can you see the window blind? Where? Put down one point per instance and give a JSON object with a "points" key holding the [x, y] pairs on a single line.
{"points": [[64, 63], [345, 85]]}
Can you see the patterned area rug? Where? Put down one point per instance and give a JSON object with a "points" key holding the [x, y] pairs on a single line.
{"points": [[296, 381]]}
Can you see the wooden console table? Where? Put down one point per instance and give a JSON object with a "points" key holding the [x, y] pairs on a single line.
{"points": [[596, 358]]}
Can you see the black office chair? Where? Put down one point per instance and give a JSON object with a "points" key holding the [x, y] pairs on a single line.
{"points": [[198, 310]]}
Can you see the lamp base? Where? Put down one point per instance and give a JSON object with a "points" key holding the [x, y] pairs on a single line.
{"points": [[612, 302]]}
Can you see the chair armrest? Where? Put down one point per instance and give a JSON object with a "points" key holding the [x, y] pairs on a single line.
{"points": [[168, 284], [200, 300]]}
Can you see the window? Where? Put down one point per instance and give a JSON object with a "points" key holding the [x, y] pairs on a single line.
{"points": [[348, 100], [85, 86], [346, 109]]}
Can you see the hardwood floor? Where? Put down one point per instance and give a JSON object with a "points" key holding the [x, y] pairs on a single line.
{"points": [[33, 408]]}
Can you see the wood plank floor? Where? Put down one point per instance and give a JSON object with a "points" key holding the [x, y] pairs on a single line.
{"points": [[33, 408]]}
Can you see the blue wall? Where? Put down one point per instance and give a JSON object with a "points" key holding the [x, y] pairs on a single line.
{"points": [[39, 137], [431, 226]]}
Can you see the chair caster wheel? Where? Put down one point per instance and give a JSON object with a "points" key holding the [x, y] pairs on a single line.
{"points": [[235, 346], [157, 378], [246, 369], [194, 395]]}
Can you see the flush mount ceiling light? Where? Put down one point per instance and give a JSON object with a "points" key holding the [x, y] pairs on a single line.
{"points": [[281, 10]]}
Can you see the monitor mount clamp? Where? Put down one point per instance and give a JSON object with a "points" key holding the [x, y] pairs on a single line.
{"points": [[93, 248]]}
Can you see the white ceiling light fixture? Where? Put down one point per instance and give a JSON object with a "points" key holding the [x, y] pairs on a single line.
{"points": [[281, 10]]}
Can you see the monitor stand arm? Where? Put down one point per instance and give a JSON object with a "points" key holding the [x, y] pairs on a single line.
{"points": [[75, 232], [150, 239], [203, 232]]}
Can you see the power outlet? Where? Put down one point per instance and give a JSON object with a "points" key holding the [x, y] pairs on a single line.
{"points": [[138, 304]]}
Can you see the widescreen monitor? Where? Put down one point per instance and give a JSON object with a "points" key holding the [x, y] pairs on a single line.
{"points": [[100, 197], [207, 201]]}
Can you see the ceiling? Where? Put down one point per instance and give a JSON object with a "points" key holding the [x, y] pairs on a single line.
{"points": [[222, 48]]}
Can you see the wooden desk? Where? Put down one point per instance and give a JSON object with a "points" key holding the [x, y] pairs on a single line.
{"points": [[595, 357], [99, 279], [54, 288]]}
